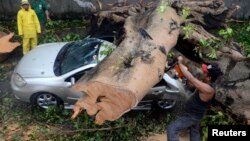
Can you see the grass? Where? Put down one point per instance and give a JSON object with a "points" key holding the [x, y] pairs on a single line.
{"points": [[22, 121]]}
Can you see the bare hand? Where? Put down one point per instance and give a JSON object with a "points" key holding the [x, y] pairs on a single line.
{"points": [[180, 59], [6, 46]]}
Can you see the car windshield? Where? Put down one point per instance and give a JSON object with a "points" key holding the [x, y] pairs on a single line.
{"points": [[76, 54]]}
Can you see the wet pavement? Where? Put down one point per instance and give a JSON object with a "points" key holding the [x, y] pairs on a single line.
{"points": [[6, 68]]}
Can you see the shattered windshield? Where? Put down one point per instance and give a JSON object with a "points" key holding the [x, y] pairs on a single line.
{"points": [[77, 54]]}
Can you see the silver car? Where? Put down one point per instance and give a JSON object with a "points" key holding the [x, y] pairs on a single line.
{"points": [[44, 75]]}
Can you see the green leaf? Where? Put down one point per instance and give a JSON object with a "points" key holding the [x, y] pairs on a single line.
{"points": [[203, 42], [226, 33], [248, 29], [108, 50], [229, 31], [188, 30], [213, 54], [185, 12]]}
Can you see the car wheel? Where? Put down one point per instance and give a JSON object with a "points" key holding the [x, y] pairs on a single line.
{"points": [[44, 100], [166, 104]]}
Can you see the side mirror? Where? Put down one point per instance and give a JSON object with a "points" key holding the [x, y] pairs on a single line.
{"points": [[72, 80]]}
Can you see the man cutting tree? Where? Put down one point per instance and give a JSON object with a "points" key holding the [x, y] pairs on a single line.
{"points": [[197, 104]]}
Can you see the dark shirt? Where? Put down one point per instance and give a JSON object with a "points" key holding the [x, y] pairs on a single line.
{"points": [[196, 106]]}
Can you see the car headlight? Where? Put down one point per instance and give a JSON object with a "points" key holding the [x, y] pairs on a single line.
{"points": [[18, 80]]}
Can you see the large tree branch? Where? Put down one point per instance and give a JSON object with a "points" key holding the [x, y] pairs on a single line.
{"points": [[115, 85]]}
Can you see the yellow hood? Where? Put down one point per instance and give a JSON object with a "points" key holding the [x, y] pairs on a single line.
{"points": [[25, 2]]}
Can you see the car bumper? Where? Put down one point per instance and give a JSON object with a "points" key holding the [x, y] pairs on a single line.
{"points": [[22, 94]]}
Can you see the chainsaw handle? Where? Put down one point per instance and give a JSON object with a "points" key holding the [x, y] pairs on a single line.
{"points": [[174, 65], [171, 64]]}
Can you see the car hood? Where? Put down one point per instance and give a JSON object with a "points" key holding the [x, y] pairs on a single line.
{"points": [[39, 61]]}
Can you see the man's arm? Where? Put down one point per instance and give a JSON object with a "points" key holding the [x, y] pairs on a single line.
{"points": [[204, 88], [46, 10], [47, 14]]}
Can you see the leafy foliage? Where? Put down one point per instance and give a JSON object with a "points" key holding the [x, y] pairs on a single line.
{"points": [[55, 124], [60, 24], [108, 50], [185, 12], [211, 44], [71, 37], [8, 26], [226, 33], [215, 118], [53, 30], [52, 34], [241, 35], [188, 30], [51, 37]]}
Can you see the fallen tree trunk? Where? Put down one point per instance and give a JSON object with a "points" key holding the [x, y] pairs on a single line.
{"points": [[118, 83]]}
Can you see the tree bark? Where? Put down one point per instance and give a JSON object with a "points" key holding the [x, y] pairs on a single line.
{"points": [[6, 46], [118, 83]]}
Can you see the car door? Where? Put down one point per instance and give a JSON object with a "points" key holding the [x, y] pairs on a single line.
{"points": [[73, 96]]}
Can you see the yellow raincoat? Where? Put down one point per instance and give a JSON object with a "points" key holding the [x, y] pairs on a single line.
{"points": [[28, 27]]}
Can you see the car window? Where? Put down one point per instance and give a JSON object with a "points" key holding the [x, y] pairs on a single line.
{"points": [[79, 54], [77, 75]]}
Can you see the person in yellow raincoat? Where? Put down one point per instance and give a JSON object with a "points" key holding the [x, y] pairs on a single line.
{"points": [[28, 26]]}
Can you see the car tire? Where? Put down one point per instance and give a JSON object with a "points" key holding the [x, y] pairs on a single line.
{"points": [[166, 104], [44, 100], [175, 110]]}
